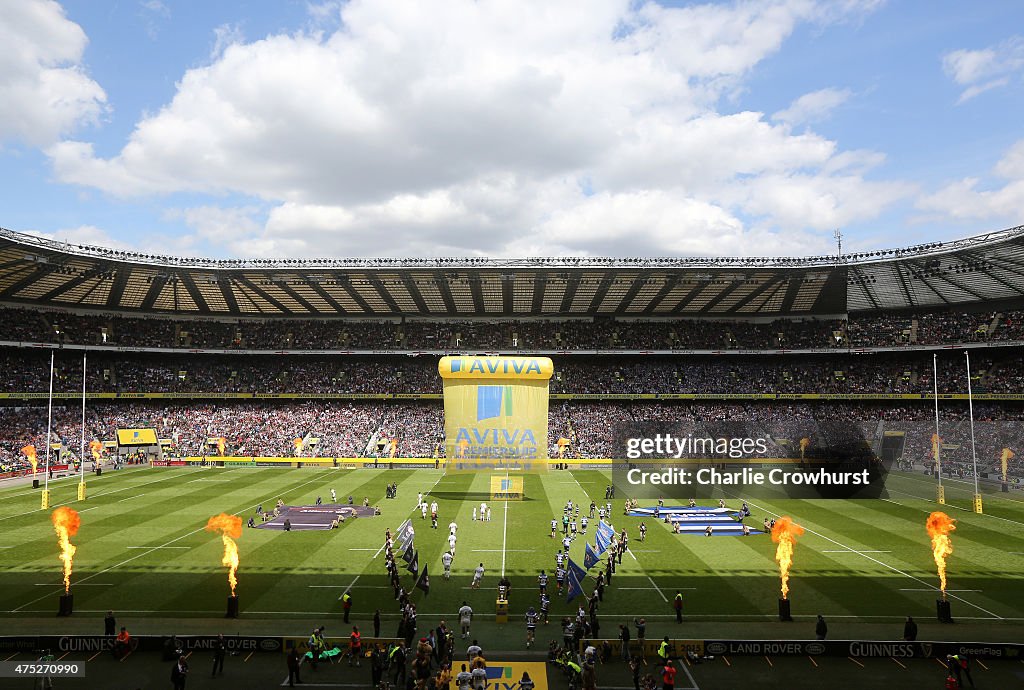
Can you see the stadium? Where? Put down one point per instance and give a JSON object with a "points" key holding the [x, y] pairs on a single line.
{"points": [[323, 403]]}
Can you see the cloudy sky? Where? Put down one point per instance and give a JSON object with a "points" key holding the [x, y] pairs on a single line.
{"points": [[510, 127]]}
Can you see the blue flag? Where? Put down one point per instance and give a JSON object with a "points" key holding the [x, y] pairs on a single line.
{"points": [[589, 557], [602, 541], [575, 588], [576, 570], [605, 529]]}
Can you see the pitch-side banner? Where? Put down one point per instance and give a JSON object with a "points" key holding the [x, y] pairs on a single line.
{"points": [[496, 412]]}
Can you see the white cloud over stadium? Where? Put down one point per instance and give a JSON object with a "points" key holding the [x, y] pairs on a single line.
{"points": [[505, 128]]}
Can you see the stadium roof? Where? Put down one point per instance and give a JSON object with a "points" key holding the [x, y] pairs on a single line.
{"points": [[41, 272]]}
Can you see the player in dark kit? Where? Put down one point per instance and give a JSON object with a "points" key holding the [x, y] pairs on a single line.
{"points": [[531, 626]]}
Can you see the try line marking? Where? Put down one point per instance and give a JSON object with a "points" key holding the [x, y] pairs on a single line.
{"points": [[945, 505], [319, 477]]}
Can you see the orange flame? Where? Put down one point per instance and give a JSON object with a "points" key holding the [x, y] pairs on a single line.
{"points": [[784, 533], [230, 528], [298, 446], [394, 446], [939, 526], [30, 453], [220, 445], [935, 446], [97, 449], [804, 442], [66, 523]]}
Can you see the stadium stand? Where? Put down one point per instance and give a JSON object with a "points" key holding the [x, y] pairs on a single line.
{"points": [[345, 337]]}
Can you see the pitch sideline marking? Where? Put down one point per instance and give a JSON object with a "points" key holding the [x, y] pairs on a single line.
{"points": [[158, 547], [411, 513], [649, 579], [352, 584], [875, 560]]}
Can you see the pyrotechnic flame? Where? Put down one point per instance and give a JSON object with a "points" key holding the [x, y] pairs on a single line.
{"points": [[784, 533], [298, 446], [65, 524], [30, 453], [939, 526], [230, 528], [96, 448], [935, 446], [394, 446], [804, 442], [220, 445]]}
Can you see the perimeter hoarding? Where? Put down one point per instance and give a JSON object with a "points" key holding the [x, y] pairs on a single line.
{"points": [[496, 412]]}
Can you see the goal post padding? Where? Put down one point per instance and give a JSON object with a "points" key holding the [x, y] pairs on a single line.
{"points": [[496, 413]]}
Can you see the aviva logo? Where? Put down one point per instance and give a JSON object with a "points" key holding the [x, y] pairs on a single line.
{"points": [[497, 672], [493, 401]]}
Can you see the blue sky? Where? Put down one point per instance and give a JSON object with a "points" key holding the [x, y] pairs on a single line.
{"points": [[510, 128]]}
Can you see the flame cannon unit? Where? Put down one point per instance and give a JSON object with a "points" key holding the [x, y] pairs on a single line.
{"points": [[232, 607], [67, 604]]}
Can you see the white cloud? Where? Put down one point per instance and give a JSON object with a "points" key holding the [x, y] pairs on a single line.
{"points": [[475, 137], [44, 91], [968, 199], [225, 36], [985, 69], [83, 234], [153, 13], [812, 107], [218, 224]]}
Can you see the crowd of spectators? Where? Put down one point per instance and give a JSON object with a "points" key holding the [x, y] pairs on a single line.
{"points": [[593, 429], [891, 329], [993, 371]]}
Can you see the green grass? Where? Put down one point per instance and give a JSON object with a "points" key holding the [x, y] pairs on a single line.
{"points": [[730, 584]]}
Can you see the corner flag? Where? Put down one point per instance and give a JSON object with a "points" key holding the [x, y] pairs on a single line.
{"points": [[589, 557]]}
